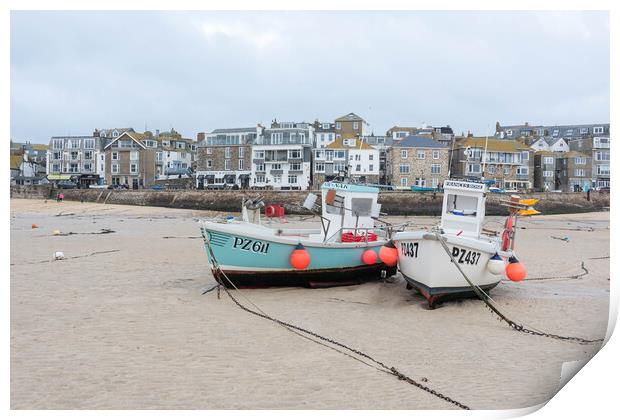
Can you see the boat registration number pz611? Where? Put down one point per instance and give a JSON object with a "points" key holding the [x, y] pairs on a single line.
{"points": [[464, 256], [258, 247]]}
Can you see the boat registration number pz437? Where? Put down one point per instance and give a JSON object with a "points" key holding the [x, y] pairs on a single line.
{"points": [[258, 247], [464, 256]]}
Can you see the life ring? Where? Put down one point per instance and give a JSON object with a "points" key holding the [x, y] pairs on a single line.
{"points": [[507, 233]]}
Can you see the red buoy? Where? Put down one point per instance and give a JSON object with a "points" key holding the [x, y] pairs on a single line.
{"points": [[34, 226], [369, 257], [388, 254], [515, 270], [300, 258]]}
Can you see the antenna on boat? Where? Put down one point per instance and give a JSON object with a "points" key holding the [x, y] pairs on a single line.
{"points": [[484, 156]]}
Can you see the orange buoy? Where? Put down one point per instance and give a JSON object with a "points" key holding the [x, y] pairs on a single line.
{"points": [[300, 258], [369, 257], [388, 254], [515, 270], [34, 226]]}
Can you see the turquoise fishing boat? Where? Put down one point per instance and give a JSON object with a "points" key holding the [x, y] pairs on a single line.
{"points": [[344, 250], [415, 188]]}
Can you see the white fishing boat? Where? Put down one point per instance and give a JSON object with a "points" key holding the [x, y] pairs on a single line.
{"points": [[428, 259], [346, 249]]}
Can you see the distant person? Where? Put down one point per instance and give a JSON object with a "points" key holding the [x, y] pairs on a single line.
{"points": [[61, 197], [586, 188]]}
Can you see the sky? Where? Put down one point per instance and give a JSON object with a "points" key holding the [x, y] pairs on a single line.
{"points": [[72, 72]]}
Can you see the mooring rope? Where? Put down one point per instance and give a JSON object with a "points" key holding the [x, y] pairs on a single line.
{"points": [[491, 304], [382, 367]]}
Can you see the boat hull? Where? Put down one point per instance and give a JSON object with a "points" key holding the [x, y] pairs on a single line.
{"points": [[252, 256], [427, 267]]}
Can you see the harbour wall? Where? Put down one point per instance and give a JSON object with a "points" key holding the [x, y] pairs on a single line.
{"points": [[396, 203]]}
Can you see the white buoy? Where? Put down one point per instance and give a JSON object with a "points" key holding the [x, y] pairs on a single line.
{"points": [[59, 255], [496, 265]]}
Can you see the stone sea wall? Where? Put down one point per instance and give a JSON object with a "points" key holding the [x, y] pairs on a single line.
{"points": [[396, 203]]}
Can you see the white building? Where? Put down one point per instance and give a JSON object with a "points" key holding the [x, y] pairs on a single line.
{"points": [[351, 157], [281, 156]]}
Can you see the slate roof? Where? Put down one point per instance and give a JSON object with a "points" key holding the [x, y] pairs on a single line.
{"points": [[350, 117], [420, 141]]}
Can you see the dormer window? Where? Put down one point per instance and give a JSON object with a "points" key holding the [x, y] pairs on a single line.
{"points": [[115, 133], [598, 130], [325, 126], [556, 132]]}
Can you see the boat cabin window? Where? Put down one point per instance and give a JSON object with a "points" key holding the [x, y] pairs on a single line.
{"points": [[361, 206], [335, 206], [462, 205]]}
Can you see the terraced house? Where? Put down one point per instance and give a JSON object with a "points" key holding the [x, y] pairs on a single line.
{"points": [[350, 126], [223, 158], [175, 154], [351, 157], [76, 158], [574, 171], [129, 161], [597, 148], [419, 161], [509, 162], [281, 156], [545, 170]]}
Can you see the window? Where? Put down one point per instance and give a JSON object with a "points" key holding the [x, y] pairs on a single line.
{"points": [[260, 167], [420, 182], [506, 171], [133, 168], [277, 179], [115, 168], [371, 167], [548, 174], [602, 169], [180, 145], [114, 155], [548, 160], [583, 130], [319, 154], [88, 167], [209, 151], [134, 155], [555, 133], [55, 167], [183, 155], [602, 155], [74, 167], [435, 169], [276, 138], [209, 163], [403, 153], [294, 154], [292, 179], [421, 154], [241, 164], [259, 154], [435, 154], [159, 156], [338, 126], [325, 126], [522, 170], [241, 152], [358, 168], [339, 167], [88, 154], [434, 182], [339, 154], [74, 155], [150, 143], [227, 165], [403, 182], [355, 125], [371, 157], [490, 169], [319, 167], [404, 168], [580, 160], [89, 143], [295, 166], [598, 130], [227, 152], [509, 132], [580, 172], [358, 157], [473, 168], [260, 178], [601, 142], [74, 143], [56, 155], [58, 143], [276, 166], [525, 156]]}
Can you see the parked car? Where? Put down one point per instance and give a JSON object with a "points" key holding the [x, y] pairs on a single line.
{"points": [[604, 189], [158, 187], [67, 185]]}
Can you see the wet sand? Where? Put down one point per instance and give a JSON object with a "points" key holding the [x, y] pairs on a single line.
{"points": [[130, 329]]}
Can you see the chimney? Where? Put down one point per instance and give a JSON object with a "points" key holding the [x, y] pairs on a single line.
{"points": [[200, 136]]}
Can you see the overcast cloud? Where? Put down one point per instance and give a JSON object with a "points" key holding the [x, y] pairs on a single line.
{"points": [[72, 72]]}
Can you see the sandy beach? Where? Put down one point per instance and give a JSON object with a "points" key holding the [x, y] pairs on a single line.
{"points": [[121, 323]]}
